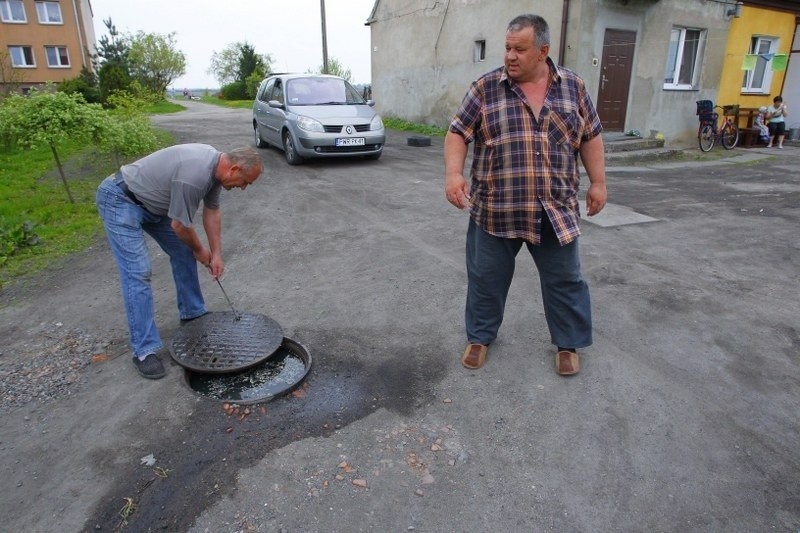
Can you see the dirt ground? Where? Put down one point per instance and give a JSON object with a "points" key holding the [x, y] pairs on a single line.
{"points": [[684, 417]]}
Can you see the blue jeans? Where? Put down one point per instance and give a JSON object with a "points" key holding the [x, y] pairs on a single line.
{"points": [[565, 295], [125, 224]]}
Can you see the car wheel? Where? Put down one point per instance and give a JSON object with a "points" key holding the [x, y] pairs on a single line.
{"points": [[288, 150], [259, 141]]}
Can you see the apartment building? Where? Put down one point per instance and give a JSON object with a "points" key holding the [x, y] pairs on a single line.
{"points": [[44, 41]]}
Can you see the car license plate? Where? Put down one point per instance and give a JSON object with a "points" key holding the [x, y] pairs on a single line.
{"points": [[350, 141]]}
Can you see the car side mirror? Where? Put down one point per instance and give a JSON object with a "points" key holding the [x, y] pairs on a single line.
{"points": [[371, 103], [276, 104]]}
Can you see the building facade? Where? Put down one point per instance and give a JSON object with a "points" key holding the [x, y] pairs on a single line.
{"points": [[645, 62], [44, 41], [760, 60]]}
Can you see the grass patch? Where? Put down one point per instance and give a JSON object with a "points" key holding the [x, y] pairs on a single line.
{"points": [[164, 107], [389, 123], [31, 190], [405, 125], [236, 104], [716, 153]]}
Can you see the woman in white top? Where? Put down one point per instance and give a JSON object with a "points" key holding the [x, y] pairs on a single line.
{"points": [[776, 120]]}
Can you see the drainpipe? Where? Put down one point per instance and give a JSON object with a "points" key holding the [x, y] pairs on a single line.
{"points": [[563, 44], [81, 38], [791, 48]]}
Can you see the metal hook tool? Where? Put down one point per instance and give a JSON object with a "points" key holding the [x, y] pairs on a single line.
{"points": [[236, 314]]}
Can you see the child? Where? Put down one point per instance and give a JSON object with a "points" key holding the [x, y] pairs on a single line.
{"points": [[759, 123]]}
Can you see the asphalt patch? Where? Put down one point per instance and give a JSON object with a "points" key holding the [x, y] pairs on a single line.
{"points": [[197, 465]]}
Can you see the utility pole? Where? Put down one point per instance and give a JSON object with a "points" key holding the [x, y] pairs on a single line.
{"points": [[324, 39]]}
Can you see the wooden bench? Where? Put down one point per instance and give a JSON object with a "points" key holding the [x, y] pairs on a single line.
{"points": [[749, 135]]}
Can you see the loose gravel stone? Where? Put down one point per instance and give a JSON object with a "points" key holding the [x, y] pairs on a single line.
{"points": [[47, 370]]}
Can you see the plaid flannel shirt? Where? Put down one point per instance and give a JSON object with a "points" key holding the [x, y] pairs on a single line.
{"points": [[520, 165]]}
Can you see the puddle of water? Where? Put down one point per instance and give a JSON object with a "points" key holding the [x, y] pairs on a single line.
{"points": [[280, 374]]}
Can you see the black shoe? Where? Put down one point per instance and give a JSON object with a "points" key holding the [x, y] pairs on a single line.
{"points": [[150, 367], [187, 320]]}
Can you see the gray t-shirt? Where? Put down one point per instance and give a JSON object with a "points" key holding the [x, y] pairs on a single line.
{"points": [[173, 181]]}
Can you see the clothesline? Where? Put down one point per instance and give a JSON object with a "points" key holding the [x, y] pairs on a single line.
{"points": [[778, 61]]}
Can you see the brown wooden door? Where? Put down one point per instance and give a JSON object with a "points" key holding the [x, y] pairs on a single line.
{"points": [[615, 78]]}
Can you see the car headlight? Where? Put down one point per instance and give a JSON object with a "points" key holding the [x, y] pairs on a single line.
{"points": [[376, 124], [309, 124]]}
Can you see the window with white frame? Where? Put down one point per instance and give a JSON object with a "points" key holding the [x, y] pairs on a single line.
{"points": [[12, 11], [759, 79], [683, 58], [57, 56], [21, 56], [49, 12]]}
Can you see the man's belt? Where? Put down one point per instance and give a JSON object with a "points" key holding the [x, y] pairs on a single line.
{"points": [[120, 182]]}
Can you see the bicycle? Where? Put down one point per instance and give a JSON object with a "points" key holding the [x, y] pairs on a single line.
{"points": [[709, 131]]}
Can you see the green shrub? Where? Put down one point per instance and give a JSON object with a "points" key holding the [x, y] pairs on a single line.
{"points": [[236, 90], [15, 237]]}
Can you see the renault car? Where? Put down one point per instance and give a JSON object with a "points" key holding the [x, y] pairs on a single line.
{"points": [[315, 115]]}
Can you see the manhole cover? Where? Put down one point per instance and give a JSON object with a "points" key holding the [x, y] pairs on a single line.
{"points": [[225, 342], [278, 375]]}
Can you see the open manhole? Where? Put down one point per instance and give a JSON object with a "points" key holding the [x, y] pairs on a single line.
{"points": [[223, 342], [276, 376]]}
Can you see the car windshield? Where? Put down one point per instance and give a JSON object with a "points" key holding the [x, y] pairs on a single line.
{"points": [[321, 91]]}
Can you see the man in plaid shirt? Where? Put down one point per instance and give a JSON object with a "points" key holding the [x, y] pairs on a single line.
{"points": [[529, 121]]}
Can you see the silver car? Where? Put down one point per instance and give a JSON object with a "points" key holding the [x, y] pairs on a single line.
{"points": [[315, 115]]}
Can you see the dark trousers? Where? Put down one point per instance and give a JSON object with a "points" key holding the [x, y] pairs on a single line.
{"points": [[565, 295]]}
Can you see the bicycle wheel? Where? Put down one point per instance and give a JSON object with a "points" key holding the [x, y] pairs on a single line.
{"points": [[730, 135], [706, 137]]}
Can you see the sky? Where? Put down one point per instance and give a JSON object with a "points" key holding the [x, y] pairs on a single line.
{"points": [[289, 30]]}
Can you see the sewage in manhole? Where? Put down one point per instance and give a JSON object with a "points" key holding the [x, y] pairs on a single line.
{"points": [[278, 375]]}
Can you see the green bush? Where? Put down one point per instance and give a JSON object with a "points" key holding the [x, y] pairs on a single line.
{"points": [[13, 238], [83, 86], [252, 82], [236, 90]]}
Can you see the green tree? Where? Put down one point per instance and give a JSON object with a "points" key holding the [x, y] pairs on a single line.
{"points": [[113, 77], [224, 64], [114, 71], [9, 109], [8, 74], [114, 47], [86, 84], [335, 68], [252, 82], [249, 62], [49, 117], [237, 61], [155, 61], [128, 131]]}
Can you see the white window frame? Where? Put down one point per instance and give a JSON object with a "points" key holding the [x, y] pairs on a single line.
{"points": [[43, 11], [22, 49], [676, 61], [763, 67], [7, 14], [58, 57]]}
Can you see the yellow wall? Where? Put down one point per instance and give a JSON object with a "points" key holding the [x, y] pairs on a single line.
{"points": [[754, 21]]}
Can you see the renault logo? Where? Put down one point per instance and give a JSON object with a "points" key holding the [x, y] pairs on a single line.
{"points": [[349, 130]]}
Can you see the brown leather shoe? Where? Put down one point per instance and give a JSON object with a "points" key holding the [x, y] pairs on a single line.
{"points": [[474, 356], [567, 363]]}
